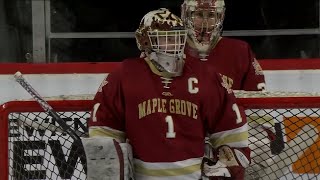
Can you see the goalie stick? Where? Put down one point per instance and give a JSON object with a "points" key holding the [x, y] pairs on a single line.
{"points": [[23, 82]]}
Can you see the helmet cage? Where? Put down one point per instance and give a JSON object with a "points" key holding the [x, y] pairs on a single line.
{"points": [[170, 43], [204, 21], [162, 36], [160, 25]]}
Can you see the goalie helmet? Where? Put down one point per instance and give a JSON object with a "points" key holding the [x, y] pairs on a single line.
{"points": [[161, 36], [203, 19]]}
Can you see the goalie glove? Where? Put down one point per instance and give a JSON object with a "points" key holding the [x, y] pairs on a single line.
{"points": [[229, 163]]}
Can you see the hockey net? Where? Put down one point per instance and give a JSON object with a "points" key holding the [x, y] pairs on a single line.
{"points": [[32, 149]]}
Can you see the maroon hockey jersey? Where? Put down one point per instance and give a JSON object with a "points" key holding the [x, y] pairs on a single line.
{"points": [[236, 62], [166, 119]]}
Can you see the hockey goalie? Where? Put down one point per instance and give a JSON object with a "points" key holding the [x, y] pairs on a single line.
{"points": [[151, 116]]}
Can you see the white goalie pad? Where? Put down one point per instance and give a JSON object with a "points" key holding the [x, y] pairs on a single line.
{"points": [[108, 159]]}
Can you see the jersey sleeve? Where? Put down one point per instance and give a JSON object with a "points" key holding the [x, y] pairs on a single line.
{"points": [[107, 115], [227, 126], [254, 79], [226, 123]]}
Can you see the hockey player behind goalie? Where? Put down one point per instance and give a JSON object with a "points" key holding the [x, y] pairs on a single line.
{"points": [[232, 58], [164, 107]]}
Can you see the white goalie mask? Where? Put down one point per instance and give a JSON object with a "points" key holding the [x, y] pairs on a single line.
{"points": [[162, 37], [204, 20]]}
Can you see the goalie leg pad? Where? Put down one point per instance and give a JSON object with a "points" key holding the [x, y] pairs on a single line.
{"points": [[107, 159], [128, 161]]}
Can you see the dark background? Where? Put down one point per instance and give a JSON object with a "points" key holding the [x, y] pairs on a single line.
{"points": [[124, 16]]}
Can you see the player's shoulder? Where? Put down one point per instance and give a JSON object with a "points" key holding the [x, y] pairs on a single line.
{"points": [[125, 67], [209, 73], [131, 64], [193, 66], [217, 79], [216, 76], [234, 43]]}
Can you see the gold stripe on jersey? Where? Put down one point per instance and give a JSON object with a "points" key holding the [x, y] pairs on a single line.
{"points": [[179, 168], [230, 139], [264, 120], [103, 131], [235, 138]]}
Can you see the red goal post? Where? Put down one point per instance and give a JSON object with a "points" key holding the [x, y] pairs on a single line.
{"points": [[30, 153]]}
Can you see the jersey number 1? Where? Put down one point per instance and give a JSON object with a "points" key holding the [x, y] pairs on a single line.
{"points": [[235, 108], [170, 133]]}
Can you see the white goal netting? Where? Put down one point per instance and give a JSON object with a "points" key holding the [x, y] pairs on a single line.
{"points": [[36, 151]]}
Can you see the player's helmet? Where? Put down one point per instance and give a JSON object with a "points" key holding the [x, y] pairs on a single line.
{"points": [[204, 20], [161, 36]]}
